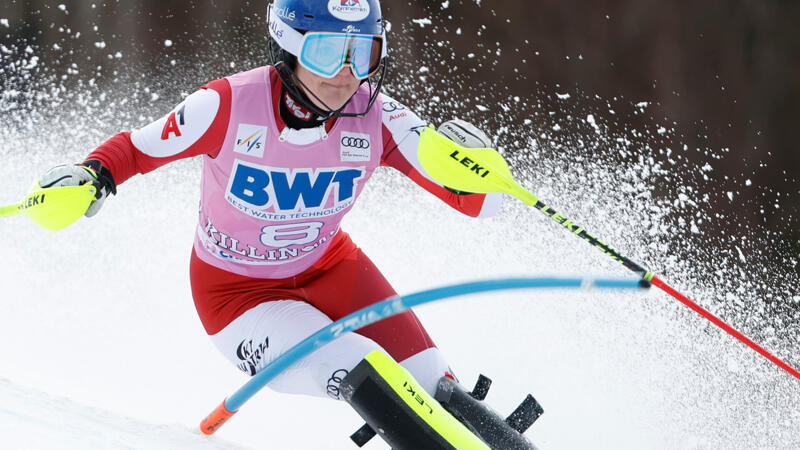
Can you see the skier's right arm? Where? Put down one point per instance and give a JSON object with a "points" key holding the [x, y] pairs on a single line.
{"points": [[197, 126]]}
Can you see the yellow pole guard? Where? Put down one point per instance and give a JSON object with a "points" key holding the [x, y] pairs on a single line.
{"points": [[425, 406], [53, 208], [477, 170]]}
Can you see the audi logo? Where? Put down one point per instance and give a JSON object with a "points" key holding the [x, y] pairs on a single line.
{"points": [[392, 107], [334, 383], [348, 141]]}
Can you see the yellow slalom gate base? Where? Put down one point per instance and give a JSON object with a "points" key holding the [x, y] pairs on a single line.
{"points": [[445, 431]]}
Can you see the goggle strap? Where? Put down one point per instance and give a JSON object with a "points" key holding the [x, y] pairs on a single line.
{"points": [[287, 37]]}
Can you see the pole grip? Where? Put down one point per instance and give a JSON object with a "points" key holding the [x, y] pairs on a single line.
{"points": [[216, 419]]}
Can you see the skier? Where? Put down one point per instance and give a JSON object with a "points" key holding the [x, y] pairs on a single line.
{"points": [[287, 148]]}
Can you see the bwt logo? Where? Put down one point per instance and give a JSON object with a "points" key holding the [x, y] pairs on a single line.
{"points": [[292, 189]]}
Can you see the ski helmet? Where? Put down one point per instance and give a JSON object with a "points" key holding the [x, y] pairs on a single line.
{"points": [[325, 36]]}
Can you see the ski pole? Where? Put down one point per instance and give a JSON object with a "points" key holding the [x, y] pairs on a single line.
{"points": [[657, 282], [379, 311], [483, 170]]}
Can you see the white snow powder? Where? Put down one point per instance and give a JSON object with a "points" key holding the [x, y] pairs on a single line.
{"points": [[590, 119], [741, 255], [32, 63], [422, 22]]}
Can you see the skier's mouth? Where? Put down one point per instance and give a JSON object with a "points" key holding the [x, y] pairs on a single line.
{"points": [[339, 85]]}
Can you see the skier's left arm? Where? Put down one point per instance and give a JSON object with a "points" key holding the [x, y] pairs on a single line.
{"points": [[401, 128]]}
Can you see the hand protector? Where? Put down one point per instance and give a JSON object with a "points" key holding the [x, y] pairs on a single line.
{"points": [[78, 174], [466, 135]]}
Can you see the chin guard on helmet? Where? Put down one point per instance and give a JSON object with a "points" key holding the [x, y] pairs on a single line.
{"points": [[396, 407]]}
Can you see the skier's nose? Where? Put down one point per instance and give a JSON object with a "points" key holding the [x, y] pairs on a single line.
{"points": [[345, 73]]}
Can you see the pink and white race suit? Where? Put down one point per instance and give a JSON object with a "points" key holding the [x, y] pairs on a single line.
{"points": [[270, 264]]}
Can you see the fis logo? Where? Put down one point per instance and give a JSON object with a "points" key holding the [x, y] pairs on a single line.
{"points": [[354, 147], [293, 189], [250, 140]]}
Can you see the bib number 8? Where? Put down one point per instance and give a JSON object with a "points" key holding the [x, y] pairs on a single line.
{"points": [[280, 236]]}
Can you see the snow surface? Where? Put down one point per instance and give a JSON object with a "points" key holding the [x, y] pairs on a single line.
{"points": [[98, 319], [30, 419]]}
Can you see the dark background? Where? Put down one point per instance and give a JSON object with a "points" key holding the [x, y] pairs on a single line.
{"points": [[724, 76]]}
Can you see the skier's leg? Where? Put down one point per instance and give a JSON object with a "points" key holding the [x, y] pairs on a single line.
{"points": [[266, 331], [338, 289], [354, 283]]}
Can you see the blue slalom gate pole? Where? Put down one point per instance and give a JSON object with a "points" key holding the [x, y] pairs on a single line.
{"points": [[381, 310]]}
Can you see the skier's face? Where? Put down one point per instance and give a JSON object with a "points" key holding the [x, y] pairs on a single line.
{"points": [[334, 92]]}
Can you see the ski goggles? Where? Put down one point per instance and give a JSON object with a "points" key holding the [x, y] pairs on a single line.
{"points": [[326, 53]]}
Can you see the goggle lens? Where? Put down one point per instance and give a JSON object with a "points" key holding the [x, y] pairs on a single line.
{"points": [[326, 53]]}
